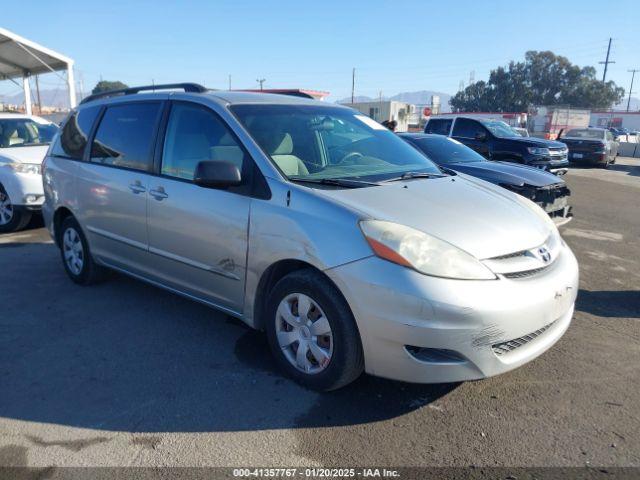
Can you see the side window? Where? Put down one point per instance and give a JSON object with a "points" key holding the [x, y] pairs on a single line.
{"points": [[466, 128], [439, 126], [74, 135], [196, 134], [125, 136]]}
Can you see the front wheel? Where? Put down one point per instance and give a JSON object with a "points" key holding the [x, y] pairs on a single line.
{"points": [[312, 333], [12, 217], [76, 256]]}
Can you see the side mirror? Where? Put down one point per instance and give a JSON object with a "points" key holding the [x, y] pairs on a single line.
{"points": [[221, 175], [481, 136]]}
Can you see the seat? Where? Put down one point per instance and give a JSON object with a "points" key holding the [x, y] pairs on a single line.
{"points": [[286, 161], [227, 150]]}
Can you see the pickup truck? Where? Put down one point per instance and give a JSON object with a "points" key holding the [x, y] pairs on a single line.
{"points": [[495, 140]]}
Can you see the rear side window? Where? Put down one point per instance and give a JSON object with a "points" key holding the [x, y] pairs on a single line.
{"points": [[74, 135], [467, 128], [439, 126], [125, 136]]}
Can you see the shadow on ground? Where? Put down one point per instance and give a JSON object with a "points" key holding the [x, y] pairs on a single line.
{"points": [[125, 356], [609, 303]]}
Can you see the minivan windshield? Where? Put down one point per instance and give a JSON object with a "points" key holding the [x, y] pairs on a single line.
{"points": [[314, 143], [500, 129], [24, 132]]}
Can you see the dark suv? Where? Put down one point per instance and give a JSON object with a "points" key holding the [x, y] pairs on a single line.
{"points": [[496, 140]]}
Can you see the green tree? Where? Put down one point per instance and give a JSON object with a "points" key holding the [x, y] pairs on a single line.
{"points": [[106, 85], [542, 79]]}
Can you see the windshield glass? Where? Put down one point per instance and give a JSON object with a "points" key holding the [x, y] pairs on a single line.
{"points": [[316, 142], [585, 133], [499, 129], [444, 151], [24, 132]]}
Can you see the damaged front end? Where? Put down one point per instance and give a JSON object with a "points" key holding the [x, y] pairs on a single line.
{"points": [[553, 199]]}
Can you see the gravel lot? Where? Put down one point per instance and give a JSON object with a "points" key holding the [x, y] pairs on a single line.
{"points": [[127, 374]]}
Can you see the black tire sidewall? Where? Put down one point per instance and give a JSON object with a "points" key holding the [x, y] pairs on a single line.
{"points": [[85, 275], [20, 219], [347, 358]]}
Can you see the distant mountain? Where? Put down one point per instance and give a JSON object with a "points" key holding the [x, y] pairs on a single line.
{"points": [[58, 98], [422, 97], [634, 105]]}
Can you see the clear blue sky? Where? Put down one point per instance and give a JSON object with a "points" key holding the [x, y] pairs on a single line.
{"points": [[394, 45]]}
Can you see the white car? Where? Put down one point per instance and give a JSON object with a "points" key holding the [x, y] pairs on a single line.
{"points": [[24, 140]]}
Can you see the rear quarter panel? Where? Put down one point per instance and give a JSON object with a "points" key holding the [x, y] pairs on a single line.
{"points": [[59, 181]]}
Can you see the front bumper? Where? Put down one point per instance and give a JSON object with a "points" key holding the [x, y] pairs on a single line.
{"points": [[400, 311], [24, 190]]}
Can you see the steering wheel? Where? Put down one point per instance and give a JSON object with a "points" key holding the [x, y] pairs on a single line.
{"points": [[355, 156]]}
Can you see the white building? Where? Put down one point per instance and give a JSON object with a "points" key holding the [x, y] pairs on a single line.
{"points": [[630, 120], [386, 110]]}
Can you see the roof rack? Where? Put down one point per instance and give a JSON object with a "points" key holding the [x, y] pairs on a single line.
{"points": [[187, 87]]}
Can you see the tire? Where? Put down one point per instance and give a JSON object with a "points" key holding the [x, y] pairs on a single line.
{"points": [[76, 255], [342, 358], [12, 218]]}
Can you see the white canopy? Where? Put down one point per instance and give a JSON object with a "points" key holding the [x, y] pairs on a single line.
{"points": [[20, 57]]}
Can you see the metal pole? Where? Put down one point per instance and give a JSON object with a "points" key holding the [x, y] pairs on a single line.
{"points": [[71, 85], [606, 62], [27, 93], [229, 82], [353, 84], [38, 96], [633, 74]]}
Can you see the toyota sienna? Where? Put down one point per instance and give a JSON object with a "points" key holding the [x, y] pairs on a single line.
{"points": [[347, 246]]}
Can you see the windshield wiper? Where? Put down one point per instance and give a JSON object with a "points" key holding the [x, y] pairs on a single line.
{"points": [[411, 175], [339, 182]]}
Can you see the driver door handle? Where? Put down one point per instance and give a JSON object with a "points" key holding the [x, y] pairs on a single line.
{"points": [[158, 193]]}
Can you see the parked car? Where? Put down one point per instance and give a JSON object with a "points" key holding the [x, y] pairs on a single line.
{"points": [[495, 140], [24, 140], [549, 191], [311, 221], [591, 145]]}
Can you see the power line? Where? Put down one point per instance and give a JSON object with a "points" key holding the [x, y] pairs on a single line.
{"points": [[633, 74], [606, 62]]}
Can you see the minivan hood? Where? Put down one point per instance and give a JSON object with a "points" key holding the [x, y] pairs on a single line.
{"points": [[31, 154], [507, 173], [484, 220]]}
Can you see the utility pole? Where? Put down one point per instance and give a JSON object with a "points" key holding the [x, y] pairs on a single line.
{"points": [[260, 81], [633, 74], [606, 62], [353, 84], [229, 81]]}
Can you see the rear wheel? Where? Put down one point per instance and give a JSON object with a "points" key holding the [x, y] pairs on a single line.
{"points": [[312, 333], [76, 256], [12, 217]]}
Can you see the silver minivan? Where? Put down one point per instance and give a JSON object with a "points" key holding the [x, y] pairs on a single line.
{"points": [[312, 222]]}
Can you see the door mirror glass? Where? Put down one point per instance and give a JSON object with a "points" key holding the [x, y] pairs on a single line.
{"points": [[217, 174]]}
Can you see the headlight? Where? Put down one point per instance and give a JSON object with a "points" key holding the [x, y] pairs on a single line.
{"points": [[422, 252], [28, 168], [538, 150]]}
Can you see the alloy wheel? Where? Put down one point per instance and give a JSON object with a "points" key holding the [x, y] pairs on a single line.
{"points": [[304, 333], [6, 209], [73, 250]]}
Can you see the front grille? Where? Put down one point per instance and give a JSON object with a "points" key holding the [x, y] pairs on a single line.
{"points": [[509, 346], [525, 273], [521, 253]]}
